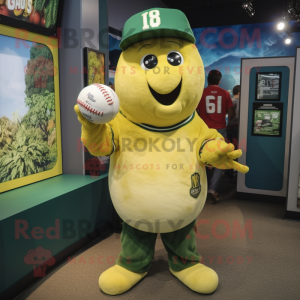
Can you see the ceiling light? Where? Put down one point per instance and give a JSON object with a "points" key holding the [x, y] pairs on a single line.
{"points": [[247, 5], [288, 41], [280, 25], [294, 9]]}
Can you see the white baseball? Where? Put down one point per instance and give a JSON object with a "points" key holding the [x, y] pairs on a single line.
{"points": [[98, 103]]}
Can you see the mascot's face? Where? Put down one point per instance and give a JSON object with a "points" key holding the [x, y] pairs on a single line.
{"points": [[159, 81]]}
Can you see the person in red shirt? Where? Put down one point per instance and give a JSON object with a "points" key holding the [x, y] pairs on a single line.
{"points": [[212, 109]]}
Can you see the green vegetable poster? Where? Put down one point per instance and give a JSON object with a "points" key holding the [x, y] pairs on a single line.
{"points": [[39, 12]]}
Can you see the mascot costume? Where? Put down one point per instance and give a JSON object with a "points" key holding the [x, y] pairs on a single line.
{"points": [[159, 148]]}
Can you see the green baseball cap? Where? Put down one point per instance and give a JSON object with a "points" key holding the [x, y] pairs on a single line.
{"points": [[155, 23]]}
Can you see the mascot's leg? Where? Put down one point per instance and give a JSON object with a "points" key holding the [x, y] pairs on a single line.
{"points": [[133, 263], [184, 261]]}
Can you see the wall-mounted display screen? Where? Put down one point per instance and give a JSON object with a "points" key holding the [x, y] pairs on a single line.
{"points": [[267, 119], [38, 14], [268, 86]]}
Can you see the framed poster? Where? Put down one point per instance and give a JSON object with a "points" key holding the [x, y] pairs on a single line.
{"points": [[30, 134], [268, 86], [267, 119], [39, 16], [94, 66]]}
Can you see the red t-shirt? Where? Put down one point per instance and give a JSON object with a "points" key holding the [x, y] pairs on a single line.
{"points": [[213, 106]]}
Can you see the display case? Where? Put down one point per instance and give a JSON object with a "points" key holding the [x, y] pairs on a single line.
{"points": [[264, 134]]}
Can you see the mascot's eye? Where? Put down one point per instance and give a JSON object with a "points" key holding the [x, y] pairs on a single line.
{"points": [[149, 61], [175, 58]]}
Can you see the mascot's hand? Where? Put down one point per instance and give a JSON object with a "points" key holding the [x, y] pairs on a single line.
{"points": [[221, 155], [97, 138], [90, 132], [87, 125], [88, 128]]}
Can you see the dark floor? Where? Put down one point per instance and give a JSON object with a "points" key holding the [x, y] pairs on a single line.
{"points": [[264, 265]]}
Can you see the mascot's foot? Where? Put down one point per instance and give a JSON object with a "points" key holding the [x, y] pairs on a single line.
{"points": [[117, 280], [198, 278]]}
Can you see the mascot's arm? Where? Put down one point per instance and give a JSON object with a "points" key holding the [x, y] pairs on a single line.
{"points": [[215, 152], [99, 139]]}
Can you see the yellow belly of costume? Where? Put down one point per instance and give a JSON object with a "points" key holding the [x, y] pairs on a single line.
{"points": [[156, 189]]}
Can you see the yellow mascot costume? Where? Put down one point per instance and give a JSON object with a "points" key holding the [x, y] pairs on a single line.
{"points": [[159, 148]]}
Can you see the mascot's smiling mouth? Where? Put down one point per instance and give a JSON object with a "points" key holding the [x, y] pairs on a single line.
{"points": [[166, 99]]}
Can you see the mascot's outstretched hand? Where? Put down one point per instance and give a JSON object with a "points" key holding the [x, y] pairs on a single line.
{"points": [[97, 138], [86, 125], [88, 128], [219, 154], [97, 105]]}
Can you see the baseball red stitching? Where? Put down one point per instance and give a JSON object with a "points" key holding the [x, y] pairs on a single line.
{"points": [[104, 93], [87, 107]]}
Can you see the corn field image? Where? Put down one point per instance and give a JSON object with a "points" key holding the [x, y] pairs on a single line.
{"points": [[95, 68], [27, 110]]}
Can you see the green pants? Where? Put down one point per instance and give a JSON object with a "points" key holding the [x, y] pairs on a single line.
{"points": [[138, 248]]}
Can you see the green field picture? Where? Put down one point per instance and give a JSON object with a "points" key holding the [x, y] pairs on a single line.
{"points": [[267, 122], [27, 109]]}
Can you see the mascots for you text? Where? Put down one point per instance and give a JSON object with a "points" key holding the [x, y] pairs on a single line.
{"points": [[159, 148]]}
